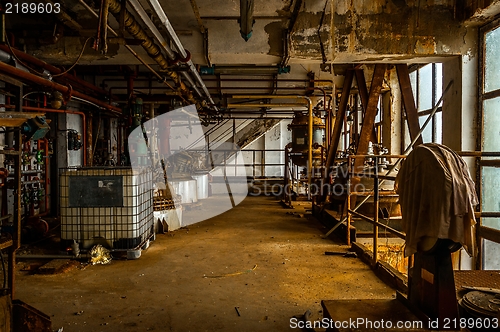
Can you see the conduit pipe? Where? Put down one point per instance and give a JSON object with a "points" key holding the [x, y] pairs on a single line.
{"points": [[53, 70], [173, 36], [134, 28], [134, 53], [163, 43], [310, 127], [24, 76], [84, 124]]}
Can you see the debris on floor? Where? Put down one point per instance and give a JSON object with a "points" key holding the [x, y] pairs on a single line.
{"points": [[232, 274], [350, 254], [99, 255]]}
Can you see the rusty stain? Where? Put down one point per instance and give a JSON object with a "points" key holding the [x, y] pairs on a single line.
{"points": [[390, 27], [425, 45]]}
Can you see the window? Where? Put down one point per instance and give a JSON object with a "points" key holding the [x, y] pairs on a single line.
{"points": [[427, 86], [489, 94]]}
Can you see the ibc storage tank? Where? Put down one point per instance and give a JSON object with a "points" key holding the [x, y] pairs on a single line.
{"points": [[110, 206], [300, 139]]}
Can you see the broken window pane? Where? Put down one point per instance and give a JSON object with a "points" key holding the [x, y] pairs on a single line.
{"points": [[492, 61]]}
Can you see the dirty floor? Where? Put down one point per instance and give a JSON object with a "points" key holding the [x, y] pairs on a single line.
{"points": [[257, 257]]}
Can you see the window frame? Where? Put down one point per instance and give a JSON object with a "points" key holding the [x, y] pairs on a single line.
{"points": [[421, 113], [484, 233]]}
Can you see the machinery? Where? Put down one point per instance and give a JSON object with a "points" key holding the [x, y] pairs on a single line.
{"points": [[296, 159]]}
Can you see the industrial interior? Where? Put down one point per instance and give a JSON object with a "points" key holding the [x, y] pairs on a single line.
{"points": [[224, 165]]}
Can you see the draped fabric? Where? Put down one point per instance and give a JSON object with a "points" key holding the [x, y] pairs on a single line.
{"points": [[437, 197]]}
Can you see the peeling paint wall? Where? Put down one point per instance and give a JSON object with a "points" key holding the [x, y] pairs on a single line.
{"points": [[380, 29]]}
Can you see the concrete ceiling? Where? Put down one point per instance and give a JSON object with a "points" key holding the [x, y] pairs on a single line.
{"points": [[333, 31], [320, 32]]}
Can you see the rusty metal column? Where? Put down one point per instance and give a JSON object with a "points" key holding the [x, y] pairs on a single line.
{"points": [[363, 94], [310, 153], [375, 213], [368, 122], [337, 128]]}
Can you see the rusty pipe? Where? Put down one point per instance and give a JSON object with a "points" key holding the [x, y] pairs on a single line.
{"points": [[148, 44], [24, 76], [84, 124], [53, 70], [134, 28]]}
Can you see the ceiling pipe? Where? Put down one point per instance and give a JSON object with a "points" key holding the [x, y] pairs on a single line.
{"points": [[244, 70], [203, 30], [246, 18], [163, 43], [134, 28], [178, 45], [54, 70], [288, 31], [66, 91]]}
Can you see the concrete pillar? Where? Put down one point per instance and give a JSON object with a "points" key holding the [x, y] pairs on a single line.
{"points": [[65, 157], [392, 114], [460, 108]]}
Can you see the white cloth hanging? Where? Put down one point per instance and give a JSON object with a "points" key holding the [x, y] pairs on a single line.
{"points": [[437, 197]]}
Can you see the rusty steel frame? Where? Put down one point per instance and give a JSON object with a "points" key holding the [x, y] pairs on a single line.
{"points": [[368, 122], [363, 94], [337, 128], [409, 102]]}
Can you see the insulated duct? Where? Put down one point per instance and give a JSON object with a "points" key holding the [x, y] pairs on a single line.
{"points": [[163, 43], [133, 27]]}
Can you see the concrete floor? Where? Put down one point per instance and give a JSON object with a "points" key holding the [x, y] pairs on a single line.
{"points": [[167, 289]]}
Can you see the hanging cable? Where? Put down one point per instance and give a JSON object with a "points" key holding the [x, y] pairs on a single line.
{"points": [[77, 59], [42, 74]]}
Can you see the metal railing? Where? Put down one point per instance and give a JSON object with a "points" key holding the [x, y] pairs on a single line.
{"points": [[483, 232], [257, 157], [376, 193]]}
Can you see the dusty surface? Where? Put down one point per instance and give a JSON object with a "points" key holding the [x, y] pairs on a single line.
{"points": [[167, 289]]}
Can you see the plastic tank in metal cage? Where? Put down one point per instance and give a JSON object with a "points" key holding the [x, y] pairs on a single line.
{"points": [[108, 206]]}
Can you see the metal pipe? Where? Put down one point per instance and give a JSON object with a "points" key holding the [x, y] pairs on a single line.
{"points": [[134, 28], [84, 124], [134, 53], [178, 45], [53, 70], [23, 76], [257, 106], [163, 43]]}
